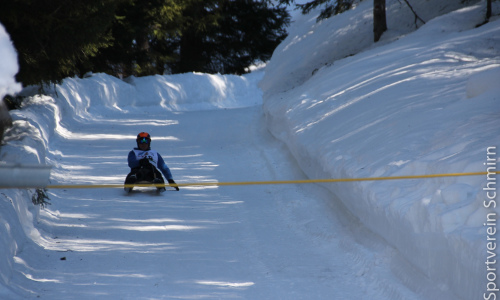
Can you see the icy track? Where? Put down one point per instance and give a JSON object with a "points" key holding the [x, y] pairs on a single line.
{"points": [[248, 242]]}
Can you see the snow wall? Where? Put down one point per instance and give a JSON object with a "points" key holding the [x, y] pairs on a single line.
{"points": [[16, 214], [426, 102]]}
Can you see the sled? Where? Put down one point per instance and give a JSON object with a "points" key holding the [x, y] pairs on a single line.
{"points": [[147, 175], [144, 176]]}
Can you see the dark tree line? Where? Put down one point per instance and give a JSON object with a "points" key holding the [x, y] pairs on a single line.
{"points": [[55, 39]]}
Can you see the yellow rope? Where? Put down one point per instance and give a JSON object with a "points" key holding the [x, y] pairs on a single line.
{"points": [[91, 186]]}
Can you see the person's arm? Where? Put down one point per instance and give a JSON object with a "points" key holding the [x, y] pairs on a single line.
{"points": [[132, 160], [166, 172], [164, 168]]}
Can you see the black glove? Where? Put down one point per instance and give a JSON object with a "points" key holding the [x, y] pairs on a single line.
{"points": [[144, 162], [171, 182]]}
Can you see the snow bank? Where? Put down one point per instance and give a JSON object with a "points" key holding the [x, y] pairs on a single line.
{"points": [[49, 116], [101, 94], [427, 103], [312, 45], [16, 215]]}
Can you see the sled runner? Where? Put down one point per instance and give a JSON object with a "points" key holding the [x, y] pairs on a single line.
{"points": [[160, 187], [144, 184]]}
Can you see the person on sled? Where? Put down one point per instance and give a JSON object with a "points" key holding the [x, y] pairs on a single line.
{"points": [[144, 164]]}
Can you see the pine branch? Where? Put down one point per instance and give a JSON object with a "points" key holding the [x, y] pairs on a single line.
{"points": [[414, 13], [39, 197]]}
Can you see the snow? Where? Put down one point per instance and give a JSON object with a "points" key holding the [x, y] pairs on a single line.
{"points": [[9, 67], [425, 103], [329, 104]]}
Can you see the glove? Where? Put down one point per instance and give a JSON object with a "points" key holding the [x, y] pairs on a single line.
{"points": [[171, 182], [143, 162]]}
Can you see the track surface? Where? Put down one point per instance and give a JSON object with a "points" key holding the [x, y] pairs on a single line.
{"points": [[249, 242]]}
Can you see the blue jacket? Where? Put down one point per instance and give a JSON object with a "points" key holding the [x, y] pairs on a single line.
{"points": [[133, 162]]}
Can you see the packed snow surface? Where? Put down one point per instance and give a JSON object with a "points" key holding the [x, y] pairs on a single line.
{"points": [[329, 104]]}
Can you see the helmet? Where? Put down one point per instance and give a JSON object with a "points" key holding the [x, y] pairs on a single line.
{"points": [[142, 138]]}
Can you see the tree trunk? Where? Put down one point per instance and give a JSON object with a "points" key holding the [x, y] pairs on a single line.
{"points": [[488, 10], [379, 19], [142, 40], [191, 53]]}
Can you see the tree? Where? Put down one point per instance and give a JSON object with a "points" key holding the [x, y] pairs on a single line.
{"points": [[488, 13], [226, 36], [488, 10], [200, 21], [59, 38], [55, 39], [144, 33], [250, 31], [174, 36], [379, 19], [178, 36], [333, 7]]}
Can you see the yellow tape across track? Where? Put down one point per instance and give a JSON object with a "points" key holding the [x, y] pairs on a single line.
{"points": [[94, 186]]}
